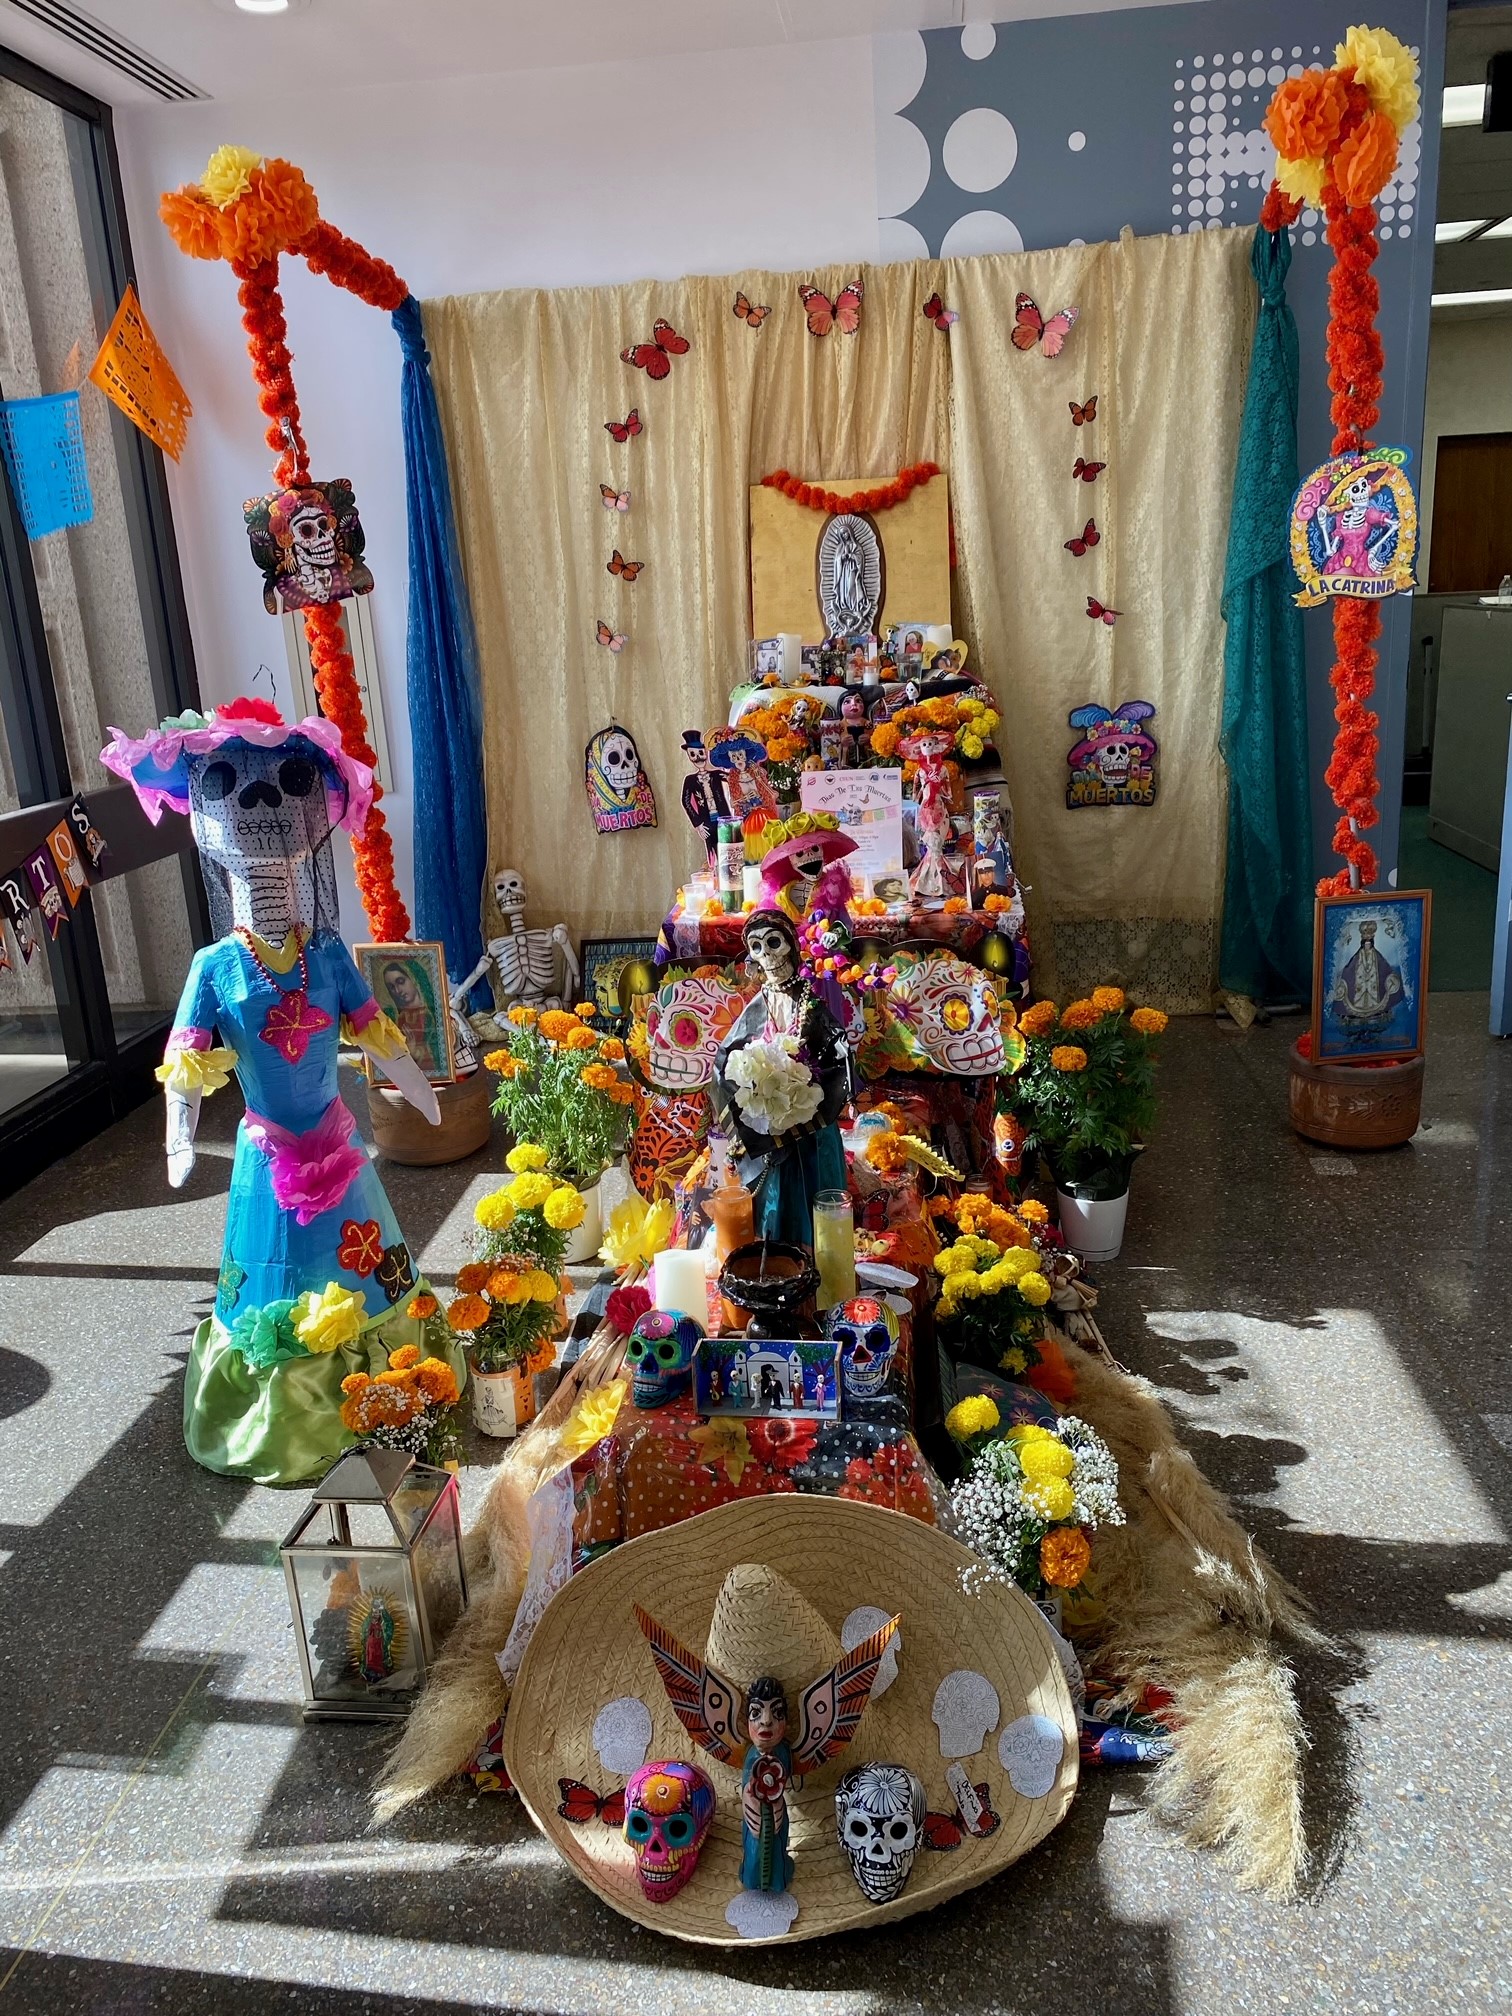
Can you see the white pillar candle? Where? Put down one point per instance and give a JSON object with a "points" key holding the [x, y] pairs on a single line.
{"points": [[750, 884], [792, 655], [679, 1282], [939, 634]]}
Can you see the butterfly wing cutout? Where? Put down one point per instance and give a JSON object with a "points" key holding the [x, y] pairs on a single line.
{"points": [[611, 640], [702, 1699], [1082, 416], [1098, 610], [1057, 329], [612, 499], [848, 308], [935, 311], [819, 309], [625, 569], [666, 338], [1028, 323], [1089, 537], [580, 1803], [751, 316], [648, 357], [941, 1830], [622, 430], [831, 1706], [1088, 471]]}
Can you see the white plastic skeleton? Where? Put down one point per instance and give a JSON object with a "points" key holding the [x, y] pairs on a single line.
{"points": [[525, 962]]}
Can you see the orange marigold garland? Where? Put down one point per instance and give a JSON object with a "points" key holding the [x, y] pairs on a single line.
{"points": [[814, 497], [249, 211], [1336, 134]]}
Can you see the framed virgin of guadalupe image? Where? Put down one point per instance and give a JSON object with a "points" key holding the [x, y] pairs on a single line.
{"points": [[409, 985], [1370, 975]]}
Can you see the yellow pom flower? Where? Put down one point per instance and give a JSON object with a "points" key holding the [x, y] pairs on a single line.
{"points": [[529, 1192], [331, 1318], [1031, 1210], [1108, 1000], [229, 174], [1041, 1460], [1034, 1288], [1067, 1057], [971, 745], [1050, 1497], [565, 1209], [543, 1287], [975, 1415], [1149, 1021], [524, 1158], [1302, 180], [1386, 69], [494, 1213]]}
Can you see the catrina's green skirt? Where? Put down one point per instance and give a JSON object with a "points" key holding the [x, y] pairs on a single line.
{"points": [[283, 1425]]}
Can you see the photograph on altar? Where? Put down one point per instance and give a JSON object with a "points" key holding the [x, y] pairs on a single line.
{"points": [[409, 985], [764, 1378], [1370, 975]]}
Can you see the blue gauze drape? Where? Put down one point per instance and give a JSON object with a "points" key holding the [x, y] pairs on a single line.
{"points": [[1266, 946], [446, 724]]}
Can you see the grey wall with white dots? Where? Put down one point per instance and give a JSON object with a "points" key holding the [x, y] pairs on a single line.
{"points": [[1037, 133]]}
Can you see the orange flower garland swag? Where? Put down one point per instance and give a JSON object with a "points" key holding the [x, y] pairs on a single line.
{"points": [[248, 211], [1336, 135], [814, 497]]}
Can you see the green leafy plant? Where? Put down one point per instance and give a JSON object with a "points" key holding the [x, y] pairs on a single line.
{"points": [[560, 1086], [1086, 1092]]}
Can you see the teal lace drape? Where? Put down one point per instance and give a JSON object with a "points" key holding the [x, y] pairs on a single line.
{"points": [[1266, 945]]}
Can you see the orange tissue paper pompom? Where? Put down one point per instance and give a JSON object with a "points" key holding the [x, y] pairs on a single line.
{"points": [[193, 223], [1366, 161], [1307, 113], [286, 198]]}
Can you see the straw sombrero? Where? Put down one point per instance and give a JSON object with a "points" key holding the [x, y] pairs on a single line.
{"points": [[771, 1585]]}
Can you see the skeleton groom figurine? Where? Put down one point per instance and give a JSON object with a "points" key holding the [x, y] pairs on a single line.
{"points": [[779, 1748], [524, 962], [783, 1076]]}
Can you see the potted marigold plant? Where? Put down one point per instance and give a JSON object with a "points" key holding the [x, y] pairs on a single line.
{"points": [[993, 1291], [412, 1404], [507, 1302], [1086, 1096], [561, 1089]]}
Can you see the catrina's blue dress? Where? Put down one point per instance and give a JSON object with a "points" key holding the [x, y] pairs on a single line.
{"points": [[307, 1215], [767, 1865]]}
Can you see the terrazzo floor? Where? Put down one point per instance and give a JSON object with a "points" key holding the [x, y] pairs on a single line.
{"points": [[1331, 1333]]}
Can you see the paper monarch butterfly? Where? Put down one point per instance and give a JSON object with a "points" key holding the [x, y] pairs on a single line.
{"points": [[1032, 330], [752, 317], [1081, 416], [612, 499], [612, 640], [843, 313], [580, 1804], [626, 429], [1097, 611], [1087, 471], [655, 357], [625, 569], [1090, 536], [935, 311], [945, 1831]]}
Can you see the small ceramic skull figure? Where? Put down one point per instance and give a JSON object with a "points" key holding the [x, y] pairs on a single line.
{"points": [[660, 1356], [867, 1332], [668, 1811], [879, 1816]]}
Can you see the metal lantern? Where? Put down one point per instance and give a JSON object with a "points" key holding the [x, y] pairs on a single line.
{"points": [[375, 1575]]}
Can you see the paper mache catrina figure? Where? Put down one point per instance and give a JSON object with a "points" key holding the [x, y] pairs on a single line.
{"points": [[315, 1275], [309, 543], [754, 1729]]}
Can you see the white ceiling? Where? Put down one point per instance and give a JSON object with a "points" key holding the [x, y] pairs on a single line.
{"points": [[226, 54]]}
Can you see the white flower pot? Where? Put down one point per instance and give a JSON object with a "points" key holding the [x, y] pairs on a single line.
{"points": [[502, 1402], [1094, 1227], [585, 1240]]}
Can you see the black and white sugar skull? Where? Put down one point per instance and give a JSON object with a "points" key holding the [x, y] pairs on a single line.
{"points": [[509, 893], [619, 760], [879, 1817]]}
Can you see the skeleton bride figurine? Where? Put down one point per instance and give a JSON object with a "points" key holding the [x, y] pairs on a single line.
{"points": [[524, 961], [315, 1275]]}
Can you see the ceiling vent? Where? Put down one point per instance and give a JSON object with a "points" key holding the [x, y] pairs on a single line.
{"points": [[105, 46]]}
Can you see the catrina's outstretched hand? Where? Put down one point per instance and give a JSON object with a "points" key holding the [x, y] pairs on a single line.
{"points": [[416, 1087], [183, 1118]]}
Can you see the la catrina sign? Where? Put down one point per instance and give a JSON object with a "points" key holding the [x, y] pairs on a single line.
{"points": [[51, 879], [1354, 527]]}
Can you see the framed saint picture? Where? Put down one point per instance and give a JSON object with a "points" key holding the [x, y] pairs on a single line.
{"points": [[618, 973], [409, 985], [1370, 974]]}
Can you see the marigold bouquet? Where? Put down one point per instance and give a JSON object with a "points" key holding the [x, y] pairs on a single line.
{"points": [[1086, 1092], [1033, 1499], [409, 1405], [970, 721], [506, 1299], [560, 1088]]}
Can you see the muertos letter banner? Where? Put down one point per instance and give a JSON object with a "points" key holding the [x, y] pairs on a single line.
{"points": [[15, 897], [63, 866]]}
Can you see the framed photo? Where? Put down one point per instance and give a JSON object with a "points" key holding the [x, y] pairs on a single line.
{"points": [[619, 975], [1370, 974], [409, 985], [762, 1379]]}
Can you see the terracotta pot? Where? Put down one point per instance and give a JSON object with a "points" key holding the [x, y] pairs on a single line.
{"points": [[404, 1135], [1355, 1105]]}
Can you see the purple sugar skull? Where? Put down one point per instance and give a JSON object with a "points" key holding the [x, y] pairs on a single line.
{"points": [[660, 1356], [668, 1811]]}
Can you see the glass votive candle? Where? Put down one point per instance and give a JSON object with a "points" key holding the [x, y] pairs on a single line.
{"points": [[834, 1248]]}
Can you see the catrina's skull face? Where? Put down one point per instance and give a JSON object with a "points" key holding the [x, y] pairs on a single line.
{"points": [[866, 1331], [312, 534], [685, 1026], [660, 1356], [668, 1810], [1114, 761], [249, 805], [771, 951], [952, 1011], [879, 1817], [619, 759]]}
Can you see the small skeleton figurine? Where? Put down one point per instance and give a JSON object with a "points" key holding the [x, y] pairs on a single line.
{"points": [[525, 962]]}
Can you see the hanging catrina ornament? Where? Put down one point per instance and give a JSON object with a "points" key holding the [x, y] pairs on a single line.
{"points": [[619, 793], [309, 543]]}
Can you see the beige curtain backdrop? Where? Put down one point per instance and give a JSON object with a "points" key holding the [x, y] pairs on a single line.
{"points": [[527, 380], [1131, 894]]}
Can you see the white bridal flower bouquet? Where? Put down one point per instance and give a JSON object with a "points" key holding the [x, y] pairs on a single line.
{"points": [[774, 1088]]}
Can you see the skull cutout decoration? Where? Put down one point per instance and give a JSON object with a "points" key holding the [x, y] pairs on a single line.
{"points": [[949, 1011], [669, 1808], [308, 542], [685, 1026], [619, 794], [879, 1816], [867, 1333], [660, 1356]]}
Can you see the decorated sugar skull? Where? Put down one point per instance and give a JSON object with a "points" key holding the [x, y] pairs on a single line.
{"points": [[620, 761], [660, 1356], [866, 1331], [950, 1011], [685, 1026], [879, 1817], [668, 1811]]}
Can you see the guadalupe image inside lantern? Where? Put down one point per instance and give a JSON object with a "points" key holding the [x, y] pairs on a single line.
{"points": [[375, 1578]]}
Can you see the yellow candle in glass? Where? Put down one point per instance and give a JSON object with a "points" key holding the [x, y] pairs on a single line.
{"points": [[834, 1248]]}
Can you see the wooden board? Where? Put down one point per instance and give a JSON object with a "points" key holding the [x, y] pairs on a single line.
{"points": [[785, 537]]}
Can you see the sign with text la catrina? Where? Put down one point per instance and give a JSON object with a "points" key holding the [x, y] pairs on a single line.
{"points": [[1354, 527], [308, 541]]}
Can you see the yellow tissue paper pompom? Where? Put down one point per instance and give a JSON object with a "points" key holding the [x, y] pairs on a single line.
{"points": [[229, 174], [1386, 68], [331, 1318], [565, 1209], [1301, 180], [593, 1418], [524, 1158]]}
